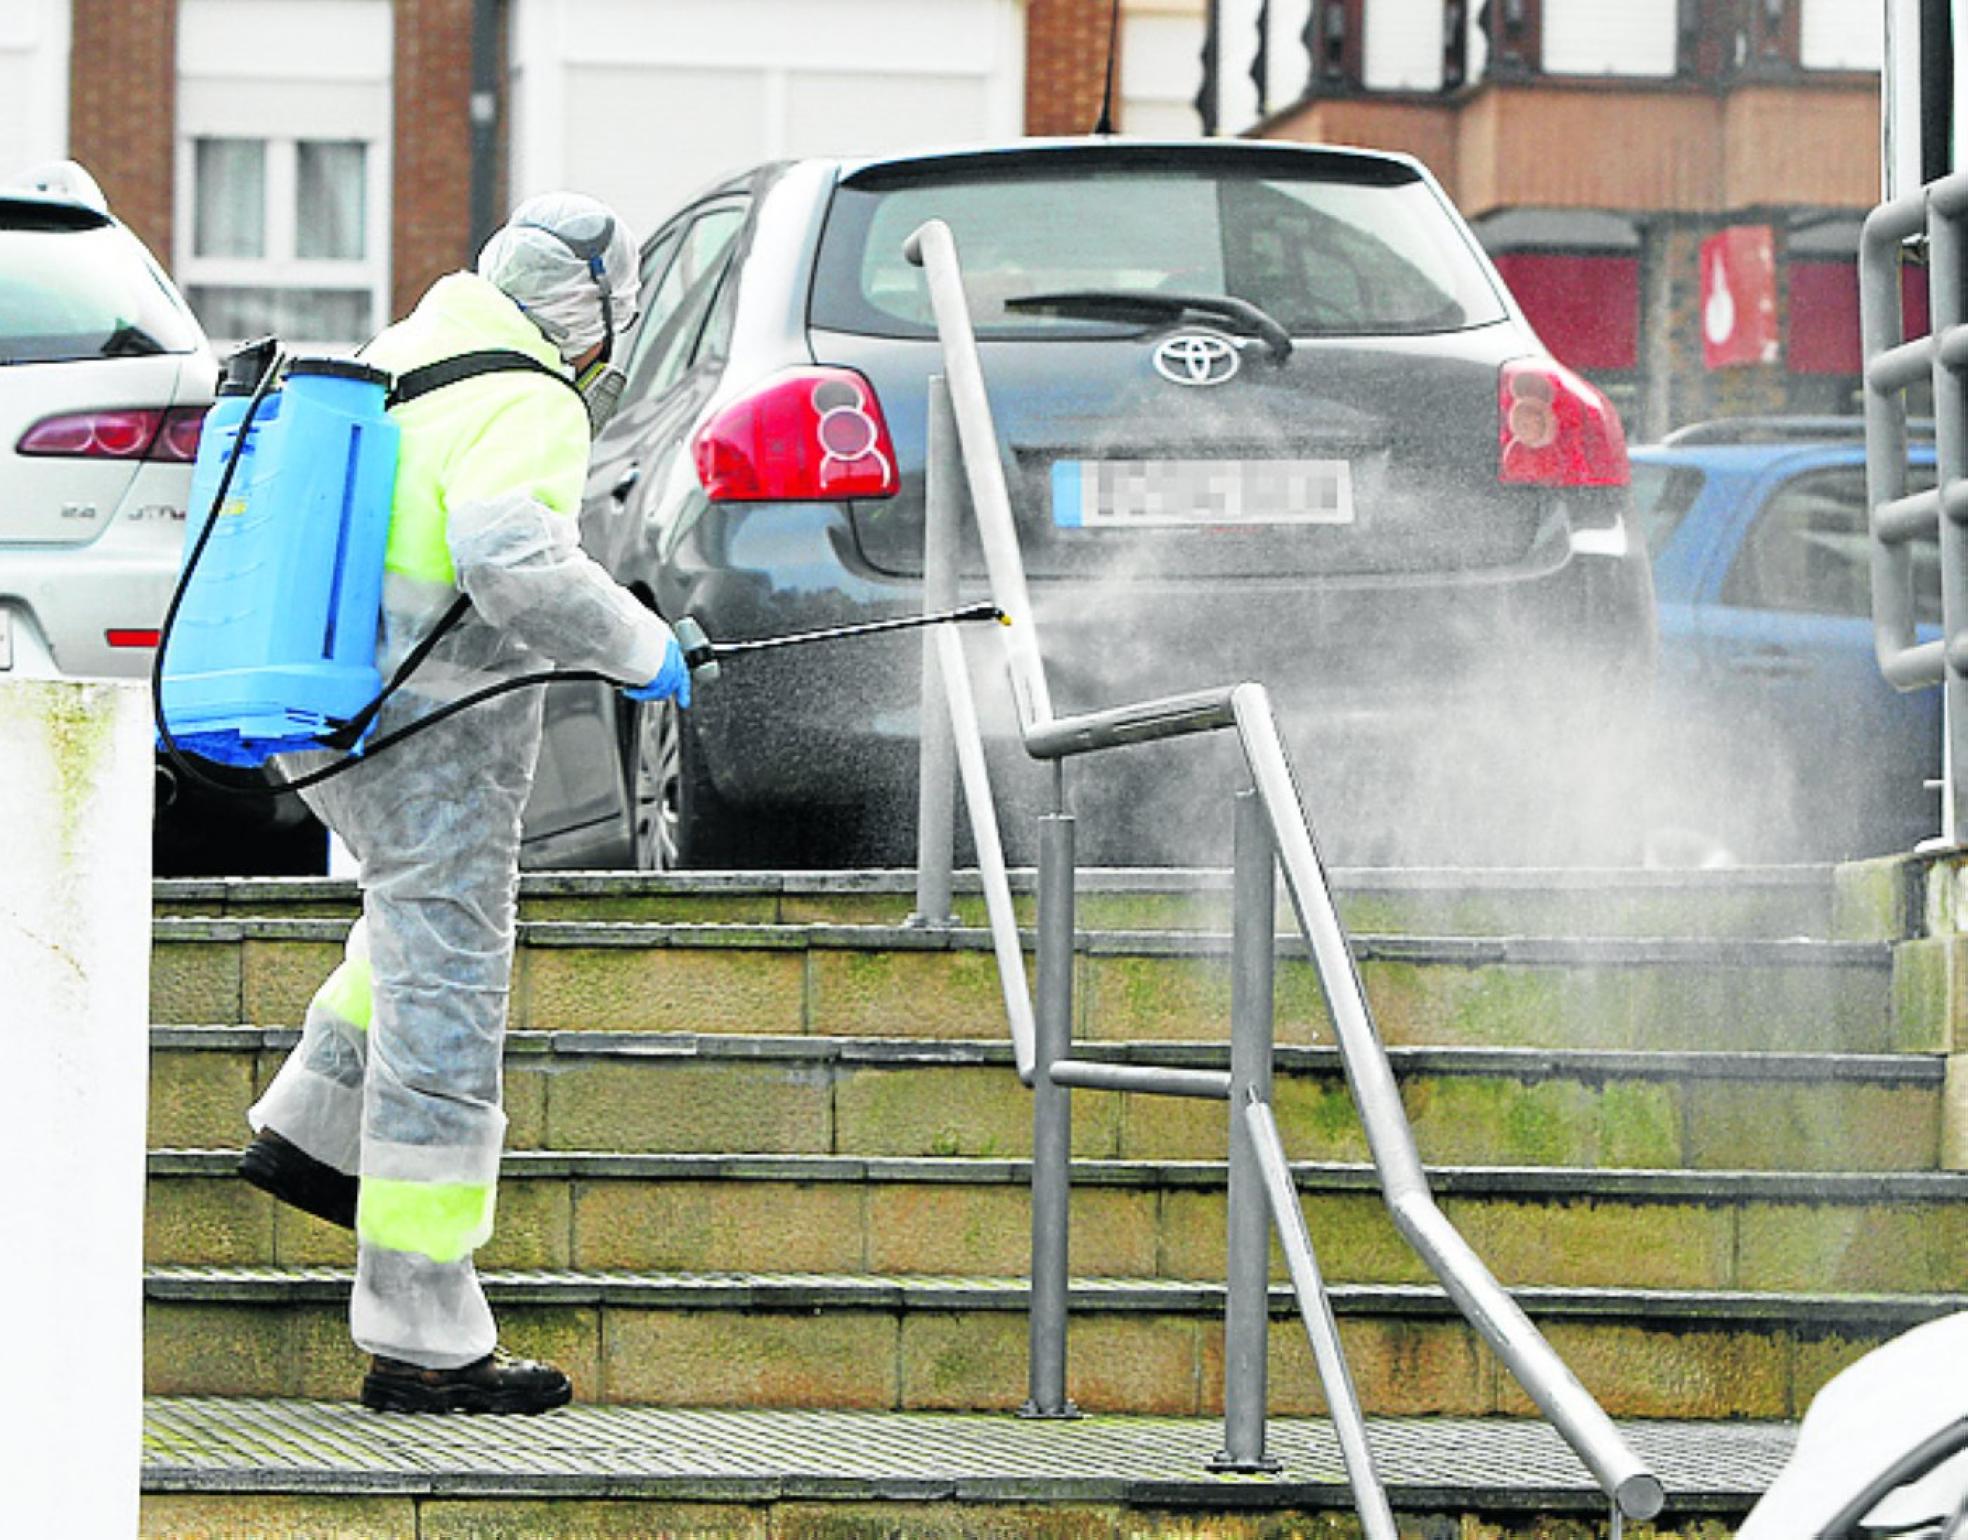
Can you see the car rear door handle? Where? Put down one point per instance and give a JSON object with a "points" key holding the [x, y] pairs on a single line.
{"points": [[625, 483]]}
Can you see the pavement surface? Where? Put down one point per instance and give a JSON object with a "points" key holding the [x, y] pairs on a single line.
{"points": [[1495, 1464]]}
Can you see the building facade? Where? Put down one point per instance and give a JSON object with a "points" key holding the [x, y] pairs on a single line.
{"points": [[1672, 188], [307, 167], [1615, 156]]}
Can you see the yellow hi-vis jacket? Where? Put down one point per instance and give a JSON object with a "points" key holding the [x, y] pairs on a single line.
{"points": [[488, 485]]}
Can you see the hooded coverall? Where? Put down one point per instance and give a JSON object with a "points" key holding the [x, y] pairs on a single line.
{"points": [[397, 1074]]}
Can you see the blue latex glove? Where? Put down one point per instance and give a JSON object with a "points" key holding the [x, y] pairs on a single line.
{"points": [[672, 680]]}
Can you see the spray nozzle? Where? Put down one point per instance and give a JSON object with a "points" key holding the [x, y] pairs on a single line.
{"points": [[698, 654]]}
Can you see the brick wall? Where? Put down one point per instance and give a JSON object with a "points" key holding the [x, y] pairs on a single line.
{"points": [[431, 206], [123, 108], [1066, 65]]}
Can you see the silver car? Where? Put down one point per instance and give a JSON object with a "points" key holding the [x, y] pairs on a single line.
{"points": [[105, 377]]}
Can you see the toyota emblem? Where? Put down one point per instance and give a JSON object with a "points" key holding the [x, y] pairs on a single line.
{"points": [[1197, 358]]}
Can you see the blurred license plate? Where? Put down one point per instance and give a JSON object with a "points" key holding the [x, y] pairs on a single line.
{"points": [[1164, 494]]}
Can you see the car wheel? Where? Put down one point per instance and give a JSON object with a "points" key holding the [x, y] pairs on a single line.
{"points": [[677, 819], [655, 784]]}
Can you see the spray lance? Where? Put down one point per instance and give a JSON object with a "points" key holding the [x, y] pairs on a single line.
{"points": [[701, 655]]}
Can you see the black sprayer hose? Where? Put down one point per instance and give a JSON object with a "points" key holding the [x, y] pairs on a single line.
{"points": [[588, 675], [431, 719]]}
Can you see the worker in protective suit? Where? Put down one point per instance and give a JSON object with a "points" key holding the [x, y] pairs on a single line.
{"points": [[386, 1117]]}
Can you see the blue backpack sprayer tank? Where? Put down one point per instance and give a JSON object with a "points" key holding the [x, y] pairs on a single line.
{"points": [[269, 644], [274, 643]]}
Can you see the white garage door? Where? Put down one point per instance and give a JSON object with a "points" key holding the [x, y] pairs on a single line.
{"points": [[643, 102]]}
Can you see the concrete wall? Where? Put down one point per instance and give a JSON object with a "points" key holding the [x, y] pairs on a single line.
{"points": [[644, 105], [1403, 46], [1609, 37], [34, 42], [315, 69], [75, 956]]}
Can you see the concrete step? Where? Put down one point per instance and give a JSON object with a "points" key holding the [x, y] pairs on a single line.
{"points": [[305, 1468], [887, 1216], [959, 1344], [1755, 901], [875, 981], [705, 1093]]}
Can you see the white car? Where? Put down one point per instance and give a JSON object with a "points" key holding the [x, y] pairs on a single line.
{"points": [[105, 378]]}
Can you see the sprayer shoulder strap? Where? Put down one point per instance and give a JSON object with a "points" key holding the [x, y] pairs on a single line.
{"points": [[465, 366]]}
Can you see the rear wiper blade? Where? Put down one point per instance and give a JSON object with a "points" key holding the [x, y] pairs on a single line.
{"points": [[1148, 305]]}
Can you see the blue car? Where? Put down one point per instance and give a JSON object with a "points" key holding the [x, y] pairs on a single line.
{"points": [[1776, 739]]}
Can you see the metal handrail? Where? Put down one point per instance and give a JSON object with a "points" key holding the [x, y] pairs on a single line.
{"points": [[1246, 709], [1897, 519], [1497, 1317], [935, 249]]}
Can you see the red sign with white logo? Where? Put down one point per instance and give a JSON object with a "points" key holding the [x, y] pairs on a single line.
{"points": [[1739, 297]]}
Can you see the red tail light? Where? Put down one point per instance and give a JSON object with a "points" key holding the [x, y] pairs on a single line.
{"points": [[117, 638], [805, 435], [133, 433], [177, 440], [1556, 430]]}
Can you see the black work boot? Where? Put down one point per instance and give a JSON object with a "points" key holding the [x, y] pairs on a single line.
{"points": [[295, 1177], [498, 1382]]}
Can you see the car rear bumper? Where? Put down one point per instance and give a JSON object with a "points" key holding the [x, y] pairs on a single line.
{"points": [[63, 604], [69, 601]]}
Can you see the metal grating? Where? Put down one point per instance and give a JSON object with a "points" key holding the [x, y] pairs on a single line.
{"points": [[1494, 1464]]}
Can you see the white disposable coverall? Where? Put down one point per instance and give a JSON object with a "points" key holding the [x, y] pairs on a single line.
{"points": [[397, 1075]]}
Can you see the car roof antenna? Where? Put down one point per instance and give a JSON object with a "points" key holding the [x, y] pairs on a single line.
{"points": [[1106, 123]]}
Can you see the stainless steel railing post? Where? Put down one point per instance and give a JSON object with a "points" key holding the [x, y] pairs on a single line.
{"points": [[1052, 1122], [1947, 204], [1321, 1330], [1899, 519], [1246, 1315], [936, 795]]}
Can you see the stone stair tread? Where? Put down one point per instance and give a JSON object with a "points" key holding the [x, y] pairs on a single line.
{"points": [[1097, 879], [262, 1446], [802, 1291], [1464, 950], [1910, 1067], [1311, 1176]]}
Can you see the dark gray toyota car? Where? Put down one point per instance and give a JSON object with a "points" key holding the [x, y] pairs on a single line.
{"points": [[1267, 413]]}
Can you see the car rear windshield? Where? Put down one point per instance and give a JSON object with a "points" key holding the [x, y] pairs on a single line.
{"points": [[1337, 248], [72, 294]]}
